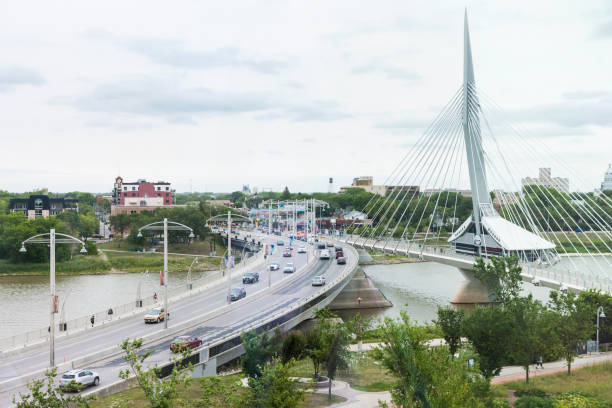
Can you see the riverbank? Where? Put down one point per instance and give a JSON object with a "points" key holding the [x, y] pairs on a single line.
{"points": [[379, 258]]}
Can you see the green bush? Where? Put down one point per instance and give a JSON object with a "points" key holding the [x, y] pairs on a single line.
{"points": [[531, 401], [578, 400], [499, 403], [533, 392]]}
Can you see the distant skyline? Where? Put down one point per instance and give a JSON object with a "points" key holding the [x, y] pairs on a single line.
{"points": [[276, 94]]}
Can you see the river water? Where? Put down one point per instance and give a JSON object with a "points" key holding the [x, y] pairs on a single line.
{"points": [[417, 288]]}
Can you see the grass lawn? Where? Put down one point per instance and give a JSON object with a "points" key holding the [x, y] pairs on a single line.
{"points": [[595, 381], [79, 264], [193, 393], [135, 262], [363, 374], [194, 248]]}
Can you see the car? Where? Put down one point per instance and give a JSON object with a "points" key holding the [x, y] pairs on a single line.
{"points": [[310, 241], [318, 281], [274, 266], [280, 243], [324, 254], [341, 260], [155, 315], [329, 244], [289, 248], [339, 254], [301, 250], [250, 277], [287, 254], [80, 377], [289, 268], [237, 294], [338, 249], [321, 246], [183, 342]]}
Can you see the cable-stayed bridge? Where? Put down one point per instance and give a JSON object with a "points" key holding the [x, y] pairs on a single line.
{"points": [[560, 237]]}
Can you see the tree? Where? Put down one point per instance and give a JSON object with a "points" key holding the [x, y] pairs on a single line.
{"points": [[286, 195], [315, 349], [44, 394], [488, 329], [258, 349], [160, 393], [572, 324], [218, 392], [274, 388], [502, 277], [450, 320], [294, 347], [336, 339], [120, 222]]}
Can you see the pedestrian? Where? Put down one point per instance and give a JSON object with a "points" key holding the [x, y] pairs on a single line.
{"points": [[155, 297], [92, 319], [539, 362], [110, 313]]}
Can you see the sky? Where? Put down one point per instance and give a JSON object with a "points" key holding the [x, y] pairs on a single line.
{"points": [[213, 95]]}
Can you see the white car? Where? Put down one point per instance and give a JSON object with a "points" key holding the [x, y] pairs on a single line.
{"points": [[318, 281], [289, 268], [274, 266], [324, 254], [301, 250], [81, 377]]}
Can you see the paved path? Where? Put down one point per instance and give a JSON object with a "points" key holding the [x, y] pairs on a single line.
{"points": [[356, 399]]}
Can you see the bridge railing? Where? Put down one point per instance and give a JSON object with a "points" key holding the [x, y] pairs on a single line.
{"points": [[102, 318]]}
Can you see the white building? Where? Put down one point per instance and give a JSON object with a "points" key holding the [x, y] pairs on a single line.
{"points": [[546, 180], [607, 182]]}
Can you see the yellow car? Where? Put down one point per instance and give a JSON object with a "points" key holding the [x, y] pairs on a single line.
{"points": [[155, 315]]}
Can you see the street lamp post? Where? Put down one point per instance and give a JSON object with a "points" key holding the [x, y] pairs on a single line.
{"points": [[165, 226], [359, 344], [600, 313], [51, 239]]}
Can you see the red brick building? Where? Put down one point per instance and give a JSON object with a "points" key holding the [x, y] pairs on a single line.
{"points": [[143, 193]]}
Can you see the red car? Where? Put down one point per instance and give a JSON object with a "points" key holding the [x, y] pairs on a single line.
{"points": [[339, 254], [287, 254], [182, 342]]}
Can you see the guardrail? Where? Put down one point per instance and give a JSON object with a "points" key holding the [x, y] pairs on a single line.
{"points": [[83, 323]]}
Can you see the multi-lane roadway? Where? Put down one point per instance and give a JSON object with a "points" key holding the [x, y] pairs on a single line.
{"points": [[245, 313]]}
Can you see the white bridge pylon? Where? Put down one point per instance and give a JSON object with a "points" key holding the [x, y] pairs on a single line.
{"points": [[425, 213]]}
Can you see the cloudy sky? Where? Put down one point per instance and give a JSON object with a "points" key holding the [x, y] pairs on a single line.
{"points": [[214, 95]]}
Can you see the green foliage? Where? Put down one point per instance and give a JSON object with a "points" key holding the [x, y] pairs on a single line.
{"points": [[533, 392], [44, 394], [325, 313], [258, 349], [427, 376], [502, 277], [286, 195], [591, 300], [274, 388], [578, 400], [219, 393], [91, 247], [161, 393], [450, 321], [572, 324], [532, 401], [294, 347]]}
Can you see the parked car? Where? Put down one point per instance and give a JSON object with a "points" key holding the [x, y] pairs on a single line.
{"points": [[79, 377], [339, 254], [324, 254], [301, 250], [237, 294], [341, 260], [280, 243], [250, 277], [287, 254], [274, 266], [318, 281], [155, 315], [183, 342], [289, 268]]}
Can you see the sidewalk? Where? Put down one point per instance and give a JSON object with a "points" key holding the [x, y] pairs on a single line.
{"points": [[355, 399]]}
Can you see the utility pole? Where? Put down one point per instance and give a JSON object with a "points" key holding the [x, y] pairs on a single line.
{"points": [[53, 298], [166, 273], [229, 257]]}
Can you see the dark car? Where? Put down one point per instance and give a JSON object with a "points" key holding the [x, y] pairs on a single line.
{"points": [[321, 246], [341, 260], [339, 254], [338, 249], [183, 342], [250, 277], [280, 243], [237, 294]]}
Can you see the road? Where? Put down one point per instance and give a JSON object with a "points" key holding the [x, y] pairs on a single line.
{"points": [[80, 345]]}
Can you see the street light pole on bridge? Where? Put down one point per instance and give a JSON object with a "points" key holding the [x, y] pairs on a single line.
{"points": [[51, 240]]}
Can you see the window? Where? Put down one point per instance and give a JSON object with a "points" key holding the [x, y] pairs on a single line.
{"points": [[158, 188], [133, 194], [167, 188], [167, 201], [124, 188], [133, 188], [158, 194]]}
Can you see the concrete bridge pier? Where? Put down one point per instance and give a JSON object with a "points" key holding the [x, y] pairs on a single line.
{"points": [[473, 292]]}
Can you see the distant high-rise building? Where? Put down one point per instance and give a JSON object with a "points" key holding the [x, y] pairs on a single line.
{"points": [[546, 180], [607, 182]]}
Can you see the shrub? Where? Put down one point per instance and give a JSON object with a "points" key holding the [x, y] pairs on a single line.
{"points": [[531, 401], [499, 403], [533, 392], [578, 400]]}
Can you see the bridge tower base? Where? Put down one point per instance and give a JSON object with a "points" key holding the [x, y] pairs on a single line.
{"points": [[473, 292]]}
